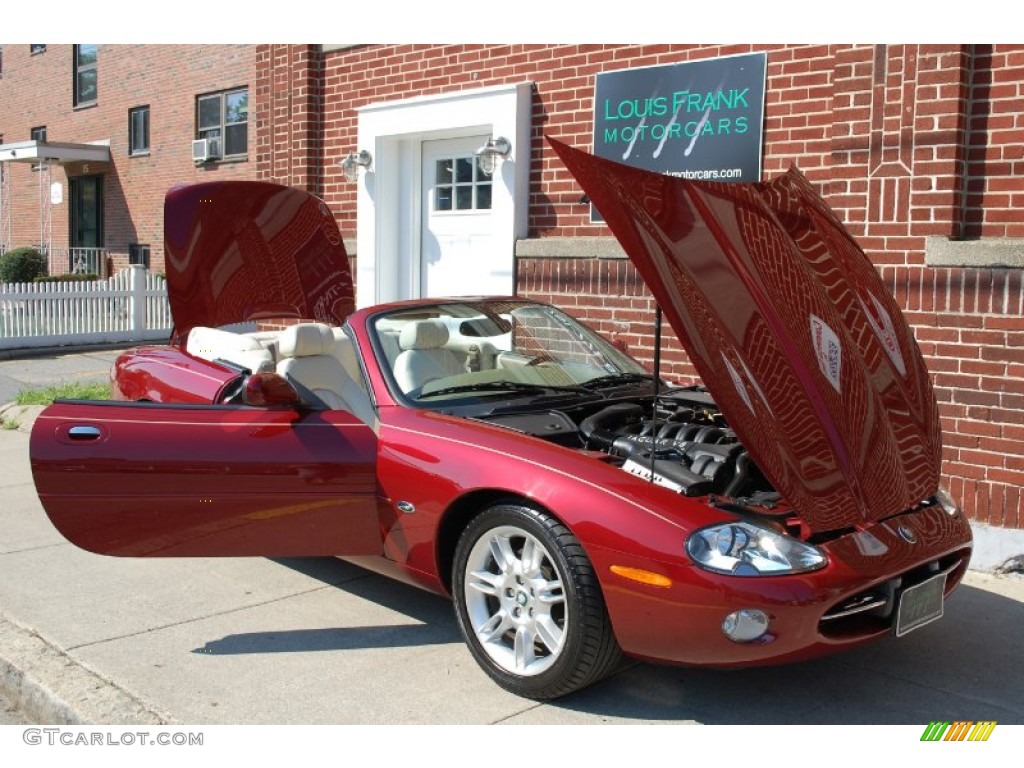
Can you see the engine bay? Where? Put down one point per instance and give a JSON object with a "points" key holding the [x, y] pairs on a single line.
{"points": [[678, 440]]}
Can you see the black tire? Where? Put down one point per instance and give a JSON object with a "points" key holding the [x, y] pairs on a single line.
{"points": [[537, 623]]}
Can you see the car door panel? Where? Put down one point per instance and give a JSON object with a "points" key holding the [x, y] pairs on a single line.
{"points": [[145, 479]]}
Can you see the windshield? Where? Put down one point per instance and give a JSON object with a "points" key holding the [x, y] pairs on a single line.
{"points": [[494, 349]]}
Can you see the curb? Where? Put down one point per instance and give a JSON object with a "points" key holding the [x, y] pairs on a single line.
{"points": [[19, 417], [52, 688]]}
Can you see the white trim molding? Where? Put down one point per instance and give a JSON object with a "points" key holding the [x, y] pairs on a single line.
{"points": [[387, 202]]}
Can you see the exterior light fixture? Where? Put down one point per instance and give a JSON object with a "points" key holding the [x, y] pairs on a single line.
{"points": [[487, 156], [351, 164]]}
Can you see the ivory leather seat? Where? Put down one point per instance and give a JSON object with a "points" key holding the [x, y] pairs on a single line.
{"points": [[311, 354], [214, 344], [424, 356]]}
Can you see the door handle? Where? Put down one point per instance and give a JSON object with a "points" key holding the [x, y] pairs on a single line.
{"points": [[81, 432]]}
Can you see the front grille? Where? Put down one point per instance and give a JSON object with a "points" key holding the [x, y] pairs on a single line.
{"points": [[870, 612]]}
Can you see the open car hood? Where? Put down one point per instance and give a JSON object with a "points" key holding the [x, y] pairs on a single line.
{"points": [[790, 327], [245, 250]]}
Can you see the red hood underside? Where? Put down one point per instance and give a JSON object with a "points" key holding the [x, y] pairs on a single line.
{"points": [[245, 250], [791, 330]]}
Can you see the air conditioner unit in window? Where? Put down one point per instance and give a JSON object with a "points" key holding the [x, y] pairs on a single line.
{"points": [[204, 150]]}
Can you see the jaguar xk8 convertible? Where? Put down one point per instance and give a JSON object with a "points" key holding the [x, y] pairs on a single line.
{"points": [[574, 506]]}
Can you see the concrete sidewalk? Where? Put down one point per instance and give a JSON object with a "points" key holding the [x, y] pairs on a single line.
{"points": [[92, 639]]}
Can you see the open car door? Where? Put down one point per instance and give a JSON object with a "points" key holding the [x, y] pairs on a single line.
{"points": [[156, 480]]}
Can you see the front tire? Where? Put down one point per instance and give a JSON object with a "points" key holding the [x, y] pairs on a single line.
{"points": [[529, 604]]}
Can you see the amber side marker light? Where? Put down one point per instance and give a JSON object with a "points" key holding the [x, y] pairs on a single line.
{"points": [[644, 577]]}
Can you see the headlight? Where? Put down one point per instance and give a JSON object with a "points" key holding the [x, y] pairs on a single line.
{"points": [[947, 502], [744, 549]]}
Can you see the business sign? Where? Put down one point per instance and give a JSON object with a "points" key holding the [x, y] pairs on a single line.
{"points": [[697, 119]]}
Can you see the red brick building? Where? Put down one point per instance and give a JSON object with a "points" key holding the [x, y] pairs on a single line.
{"points": [[920, 148], [137, 108]]}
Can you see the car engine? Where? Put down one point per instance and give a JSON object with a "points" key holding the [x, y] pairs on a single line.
{"points": [[683, 444]]}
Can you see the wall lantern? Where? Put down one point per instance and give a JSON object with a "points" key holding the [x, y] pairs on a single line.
{"points": [[351, 164], [487, 156]]}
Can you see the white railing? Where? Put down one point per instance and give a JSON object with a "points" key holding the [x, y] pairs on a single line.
{"points": [[130, 306], [76, 261]]}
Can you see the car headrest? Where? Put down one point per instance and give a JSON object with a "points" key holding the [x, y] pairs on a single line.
{"points": [[306, 340], [423, 334]]}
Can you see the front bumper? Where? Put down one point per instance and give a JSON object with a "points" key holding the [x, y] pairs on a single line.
{"points": [[848, 602]]}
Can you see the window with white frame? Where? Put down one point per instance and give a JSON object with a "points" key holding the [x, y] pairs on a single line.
{"points": [[138, 253], [86, 85], [461, 185], [225, 116], [138, 131]]}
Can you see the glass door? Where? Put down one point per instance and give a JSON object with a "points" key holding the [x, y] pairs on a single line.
{"points": [[86, 220]]}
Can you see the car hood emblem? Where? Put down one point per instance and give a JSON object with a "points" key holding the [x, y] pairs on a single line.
{"points": [[244, 250], [791, 329], [906, 534]]}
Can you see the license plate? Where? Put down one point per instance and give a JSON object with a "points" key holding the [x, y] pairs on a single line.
{"points": [[920, 604]]}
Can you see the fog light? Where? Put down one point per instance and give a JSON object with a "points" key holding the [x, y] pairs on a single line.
{"points": [[745, 625]]}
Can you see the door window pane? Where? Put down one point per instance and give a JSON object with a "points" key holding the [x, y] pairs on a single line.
{"points": [[464, 170], [483, 196], [460, 186], [443, 199], [444, 171], [86, 212]]}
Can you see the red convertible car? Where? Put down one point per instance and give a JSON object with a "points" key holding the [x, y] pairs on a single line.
{"points": [[575, 507]]}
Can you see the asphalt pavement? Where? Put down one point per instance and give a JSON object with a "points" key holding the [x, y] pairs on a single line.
{"points": [[45, 367], [92, 639]]}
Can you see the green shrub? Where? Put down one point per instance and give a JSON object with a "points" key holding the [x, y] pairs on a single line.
{"points": [[22, 265], [85, 277]]}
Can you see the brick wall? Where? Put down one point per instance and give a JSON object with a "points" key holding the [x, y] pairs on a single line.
{"points": [[289, 121], [907, 142], [37, 90]]}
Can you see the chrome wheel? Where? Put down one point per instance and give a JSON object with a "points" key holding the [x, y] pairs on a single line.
{"points": [[515, 600], [529, 603]]}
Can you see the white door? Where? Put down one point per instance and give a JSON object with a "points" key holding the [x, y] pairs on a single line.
{"points": [[457, 240]]}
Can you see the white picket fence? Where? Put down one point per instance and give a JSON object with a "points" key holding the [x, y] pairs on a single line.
{"points": [[130, 306]]}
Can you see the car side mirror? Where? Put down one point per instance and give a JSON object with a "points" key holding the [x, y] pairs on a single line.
{"points": [[265, 389]]}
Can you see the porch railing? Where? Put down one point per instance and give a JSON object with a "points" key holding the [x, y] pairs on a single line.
{"points": [[77, 261]]}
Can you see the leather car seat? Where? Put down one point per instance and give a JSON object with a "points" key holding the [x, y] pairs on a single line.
{"points": [[215, 344], [309, 355], [424, 356]]}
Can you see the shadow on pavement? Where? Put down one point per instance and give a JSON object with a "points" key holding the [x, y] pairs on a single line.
{"points": [[964, 667], [434, 614]]}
